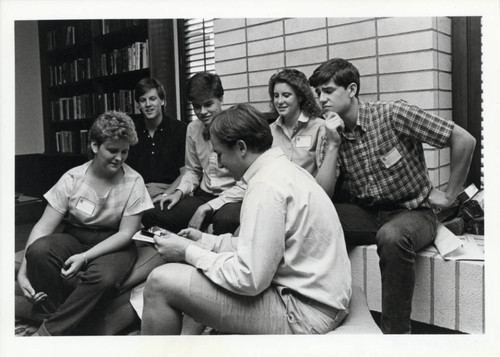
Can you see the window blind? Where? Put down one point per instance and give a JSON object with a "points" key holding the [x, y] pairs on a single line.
{"points": [[199, 49]]}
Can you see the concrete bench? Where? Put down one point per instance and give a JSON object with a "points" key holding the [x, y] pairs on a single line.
{"points": [[447, 294]]}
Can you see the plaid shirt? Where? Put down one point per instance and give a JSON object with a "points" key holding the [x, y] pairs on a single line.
{"points": [[382, 160]]}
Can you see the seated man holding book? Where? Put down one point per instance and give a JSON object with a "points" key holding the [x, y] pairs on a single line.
{"points": [[288, 271]]}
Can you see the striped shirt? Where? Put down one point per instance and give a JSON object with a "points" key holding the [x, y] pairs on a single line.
{"points": [[382, 159], [85, 208]]}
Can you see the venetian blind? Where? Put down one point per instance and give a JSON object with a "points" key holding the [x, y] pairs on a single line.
{"points": [[199, 49]]}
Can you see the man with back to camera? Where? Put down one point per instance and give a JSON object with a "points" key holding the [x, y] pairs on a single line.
{"points": [[159, 155], [382, 170], [286, 273], [206, 191]]}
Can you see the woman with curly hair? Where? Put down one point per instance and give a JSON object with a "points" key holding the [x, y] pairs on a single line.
{"points": [[299, 129], [67, 275]]}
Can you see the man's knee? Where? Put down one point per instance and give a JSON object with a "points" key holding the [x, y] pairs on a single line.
{"points": [[391, 237], [167, 281]]}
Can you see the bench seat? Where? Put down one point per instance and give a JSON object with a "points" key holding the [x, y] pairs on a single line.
{"points": [[448, 294]]}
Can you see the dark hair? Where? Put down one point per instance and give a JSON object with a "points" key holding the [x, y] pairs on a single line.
{"points": [[242, 122], [145, 85], [112, 125], [204, 85], [340, 70], [298, 81]]}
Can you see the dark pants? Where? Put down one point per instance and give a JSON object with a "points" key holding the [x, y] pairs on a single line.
{"points": [[70, 301], [225, 220], [399, 234]]}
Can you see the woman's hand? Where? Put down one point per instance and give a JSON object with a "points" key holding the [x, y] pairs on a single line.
{"points": [[72, 266], [191, 233], [28, 291], [173, 198]]}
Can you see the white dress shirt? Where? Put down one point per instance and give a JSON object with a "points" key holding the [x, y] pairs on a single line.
{"points": [[290, 236]]}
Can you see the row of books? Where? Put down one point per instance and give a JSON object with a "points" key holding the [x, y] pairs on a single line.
{"points": [[109, 26], [130, 58], [81, 31], [78, 70], [68, 35], [86, 106], [70, 142]]}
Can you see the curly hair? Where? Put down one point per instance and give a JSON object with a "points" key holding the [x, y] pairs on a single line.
{"points": [[112, 125], [298, 81]]}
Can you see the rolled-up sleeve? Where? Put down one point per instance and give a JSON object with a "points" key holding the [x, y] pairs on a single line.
{"points": [[231, 195], [260, 246], [194, 170]]}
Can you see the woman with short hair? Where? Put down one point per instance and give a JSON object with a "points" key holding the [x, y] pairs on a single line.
{"points": [[67, 275]]}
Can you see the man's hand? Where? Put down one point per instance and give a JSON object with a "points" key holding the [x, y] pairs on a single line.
{"points": [[171, 247], [172, 198], [191, 233], [72, 266], [28, 291], [199, 216], [334, 125], [438, 200]]}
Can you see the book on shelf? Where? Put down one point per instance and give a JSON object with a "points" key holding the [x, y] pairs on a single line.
{"points": [[110, 26], [68, 35], [125, 59], [84, 136], [72, 72], [74, 108], [66, 142], [121, 100]]}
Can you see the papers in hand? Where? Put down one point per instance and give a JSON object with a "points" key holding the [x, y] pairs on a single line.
{"points": [[147, 235]]}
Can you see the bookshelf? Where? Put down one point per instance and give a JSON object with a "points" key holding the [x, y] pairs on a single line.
{"points": [[89, 66]]}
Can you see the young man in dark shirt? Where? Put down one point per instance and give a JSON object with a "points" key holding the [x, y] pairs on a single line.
{"points": [[380, 161], [159, 155]]}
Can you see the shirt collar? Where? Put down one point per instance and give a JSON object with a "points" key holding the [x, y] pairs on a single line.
{"points": [[261, 161], [141, 124], [364, 116], [303, 118]]}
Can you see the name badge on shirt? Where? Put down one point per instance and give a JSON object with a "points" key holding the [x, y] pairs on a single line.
{"points": [[303, 141], [391, 158], [86, 206]]}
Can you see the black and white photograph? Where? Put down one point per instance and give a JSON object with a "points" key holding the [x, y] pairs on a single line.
{"points": [[211, 178]]}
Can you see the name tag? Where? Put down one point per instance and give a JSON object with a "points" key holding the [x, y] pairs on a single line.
{"points": [[303, 141], [86, 206], [391, 158]]}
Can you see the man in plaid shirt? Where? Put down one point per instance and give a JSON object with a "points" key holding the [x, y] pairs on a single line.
{"points": [[387, 196]]}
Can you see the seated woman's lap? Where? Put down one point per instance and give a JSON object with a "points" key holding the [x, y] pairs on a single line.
{"points": [[46, 256], [189, 290]]}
